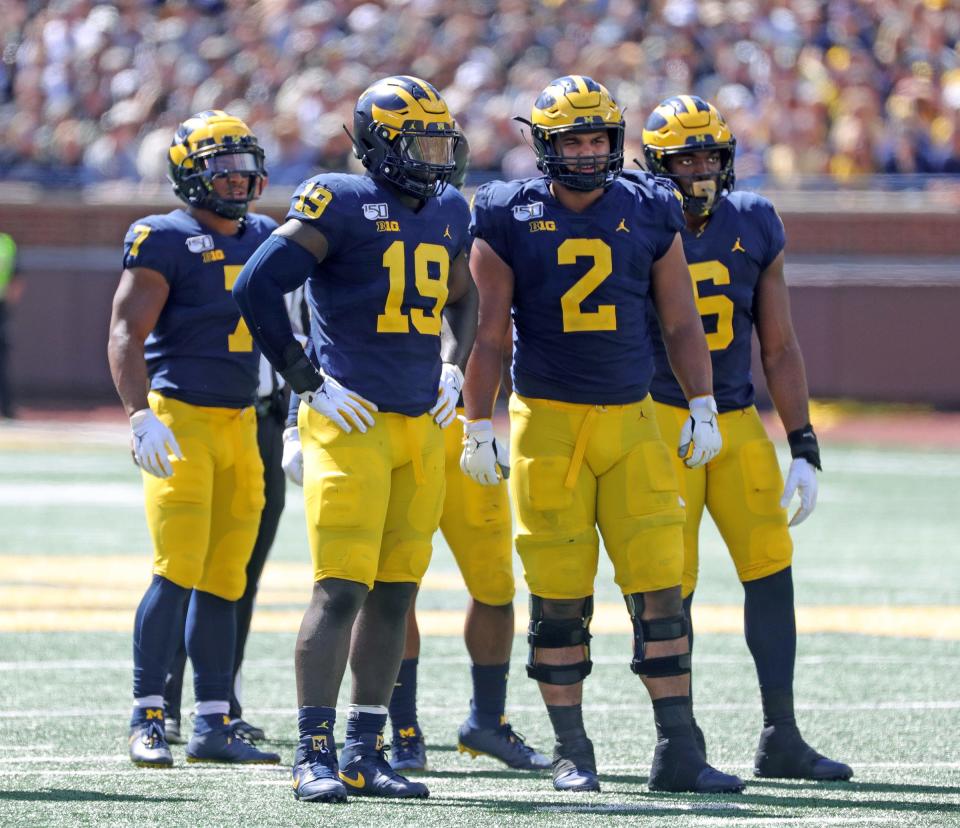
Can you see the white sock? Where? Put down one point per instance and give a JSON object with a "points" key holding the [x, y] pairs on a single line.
{"points": [[374, 709], [147, 701], [211, 708]]}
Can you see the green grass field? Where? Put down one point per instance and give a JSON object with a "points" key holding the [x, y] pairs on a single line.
{"points": [[877, 566]]}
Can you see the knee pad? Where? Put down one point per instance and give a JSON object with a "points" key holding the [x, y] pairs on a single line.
{"points": [[670, 628], [555, 633]]}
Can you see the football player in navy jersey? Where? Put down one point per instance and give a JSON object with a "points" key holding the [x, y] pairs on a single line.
{"points": [[185, 367], [476, 525], [734, 243], [576, 255], [393, 312]]}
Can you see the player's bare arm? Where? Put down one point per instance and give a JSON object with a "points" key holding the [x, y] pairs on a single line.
{"points": [[459, 326], [494, 281], [137, 304], [779, 349], [680, 322]]}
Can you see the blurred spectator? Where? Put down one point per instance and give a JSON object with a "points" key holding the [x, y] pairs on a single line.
{"points": [[842, 88]]}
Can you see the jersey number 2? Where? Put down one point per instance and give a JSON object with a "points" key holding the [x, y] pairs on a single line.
{"points": [[604, 318], [240, 340], [393, 319]]}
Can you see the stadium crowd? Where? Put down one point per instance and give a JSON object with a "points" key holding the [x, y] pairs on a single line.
{"points": [[92, 91]]}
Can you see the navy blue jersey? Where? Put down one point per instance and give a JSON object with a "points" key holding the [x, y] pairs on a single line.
{"points": [[200, 350], [744, 235], [581, 284], [377, 296]]}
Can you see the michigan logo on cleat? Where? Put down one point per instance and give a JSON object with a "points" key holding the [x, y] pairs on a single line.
{"points": [[319, 743], [407, 732], [737, 247]]}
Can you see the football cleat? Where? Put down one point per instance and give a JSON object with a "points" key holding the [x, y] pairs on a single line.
{"points": [[365, 771], [247, 731], [783, 754], [221, 745], [678, 766], [409, 752], [501, 743], [700, 739], [172, 728], [315, 774], [574, 767], [148, 746]]}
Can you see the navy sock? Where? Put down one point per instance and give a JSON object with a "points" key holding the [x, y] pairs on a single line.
{"points": [[314, 721], [403, 701], [672, 716], [204, 723], [567, 721], [771, 633], [363, 732], [157, 631], [489, 694], [211, 633], [688, 612]]}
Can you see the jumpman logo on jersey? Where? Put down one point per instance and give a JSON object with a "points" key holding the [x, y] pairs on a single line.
{"points": [[622, 226], [446, 233], [737, 247]]}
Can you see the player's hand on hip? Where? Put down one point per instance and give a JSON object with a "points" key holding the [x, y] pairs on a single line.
{"points": [[292, 459], [700, 436], [802, 478], [451, 381], [479, 459], [153, 443], [345, 407]]}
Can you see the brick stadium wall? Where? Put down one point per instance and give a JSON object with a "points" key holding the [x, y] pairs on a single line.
{"points": [[893, 338]]}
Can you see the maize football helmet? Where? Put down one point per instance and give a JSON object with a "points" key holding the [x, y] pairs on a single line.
{"points": [[684, 124], [210, 145], [576, 103], [404, 133]]}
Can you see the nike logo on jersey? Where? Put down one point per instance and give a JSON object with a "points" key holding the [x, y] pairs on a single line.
{"points": [[446, 233], [622, 226], [359, 782], [737, 247]]}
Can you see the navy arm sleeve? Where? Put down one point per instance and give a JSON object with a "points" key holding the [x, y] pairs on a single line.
{"points": [[278, 266]]}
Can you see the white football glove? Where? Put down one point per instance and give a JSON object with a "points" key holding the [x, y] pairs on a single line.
{"points": [[152, 443], [451, 381], [341, 405], [292, 460], [482, 455], [700, 436], [801, 477]]}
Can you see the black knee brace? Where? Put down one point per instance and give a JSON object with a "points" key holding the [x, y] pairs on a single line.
{"points": [[656, 629], [554, 633]]}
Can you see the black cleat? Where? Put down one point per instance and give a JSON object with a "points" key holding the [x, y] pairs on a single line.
{"points": [[678, 767], [574, 767], [699, 738], [783, 754]]}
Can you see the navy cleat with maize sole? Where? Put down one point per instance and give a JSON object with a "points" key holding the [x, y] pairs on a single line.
{"points": [[502, 743], [148, 745], [365, 771], [221, 744], [409, 750], [316, 772]]}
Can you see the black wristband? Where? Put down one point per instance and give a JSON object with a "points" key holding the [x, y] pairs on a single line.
{"points": [[299, 371], [803, 443]]}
